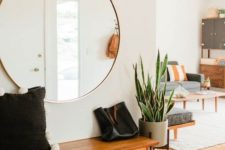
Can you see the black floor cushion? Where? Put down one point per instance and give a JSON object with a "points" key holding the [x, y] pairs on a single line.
{"points": [[23, 121]]}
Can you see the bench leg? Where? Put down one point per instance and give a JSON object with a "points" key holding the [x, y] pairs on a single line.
{"points": [[203, 104], [216, 103], [175, 134], [184, 104]]}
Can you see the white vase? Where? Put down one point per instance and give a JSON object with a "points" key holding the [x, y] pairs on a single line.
{"points": [[157, 130]]}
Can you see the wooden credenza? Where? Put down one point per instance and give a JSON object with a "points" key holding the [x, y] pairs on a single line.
{"points": [[216, 74]]}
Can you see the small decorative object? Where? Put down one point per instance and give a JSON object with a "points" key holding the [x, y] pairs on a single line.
{"points": [[222, 13], [113, 46], [220, 61], [207, 83], [114, 42], [116, 122], [212, 13], [180, 92], [152, 102]]}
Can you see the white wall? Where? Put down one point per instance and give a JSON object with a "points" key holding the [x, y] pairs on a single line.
{"points": [[179, 30], [72, 121], [216, 4]]}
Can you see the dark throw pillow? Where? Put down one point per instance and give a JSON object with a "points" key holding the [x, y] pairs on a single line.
{"points": [[23, 121]]}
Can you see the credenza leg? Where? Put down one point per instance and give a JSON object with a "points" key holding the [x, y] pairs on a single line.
{"points": [[184, 104], [203, 104], [216, 103], [175, 134]]}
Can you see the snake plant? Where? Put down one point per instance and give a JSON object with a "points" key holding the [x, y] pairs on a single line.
{"points": [[151, 98]]}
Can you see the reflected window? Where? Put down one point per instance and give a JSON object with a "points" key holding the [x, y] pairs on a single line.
{"points": [[67, 48]]}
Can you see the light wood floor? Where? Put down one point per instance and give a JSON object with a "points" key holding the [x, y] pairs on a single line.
{"points": [[217, 147]]}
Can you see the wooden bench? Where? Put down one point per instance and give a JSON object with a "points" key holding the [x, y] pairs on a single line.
{"points": [[179, 118], [137, 143], [176, 127]]}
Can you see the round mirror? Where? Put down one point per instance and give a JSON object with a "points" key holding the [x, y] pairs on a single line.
{"points": [[84, 50], [68, 46]]}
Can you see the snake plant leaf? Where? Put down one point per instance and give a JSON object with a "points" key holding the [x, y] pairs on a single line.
{"points": [[150, 108], [164, 66], [163, 106], [142, 73], [149, 88], [139, 89], [146, 111], [140, 92], [170, 97], [158, 71], [170, 107], [170, 102]]}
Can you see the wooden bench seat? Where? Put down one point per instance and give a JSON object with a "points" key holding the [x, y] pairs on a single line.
{"points": [[137, 143]]}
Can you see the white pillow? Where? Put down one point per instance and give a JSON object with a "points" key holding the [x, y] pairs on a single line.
{"points": [[177, 73]]}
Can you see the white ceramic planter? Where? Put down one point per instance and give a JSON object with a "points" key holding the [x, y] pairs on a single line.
{"points": [[158, 131]]}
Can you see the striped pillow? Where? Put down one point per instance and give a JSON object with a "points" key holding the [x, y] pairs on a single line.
{"points": [[177, 73]]}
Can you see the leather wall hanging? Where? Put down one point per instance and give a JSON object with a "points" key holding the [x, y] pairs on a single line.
{"points": [[113, 46], [114, 42]]}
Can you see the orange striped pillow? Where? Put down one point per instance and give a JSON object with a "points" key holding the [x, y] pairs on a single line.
{"points": [[177, 73]]}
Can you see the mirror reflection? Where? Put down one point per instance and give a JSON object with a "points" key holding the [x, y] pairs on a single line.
{"points": [[85, 47]]}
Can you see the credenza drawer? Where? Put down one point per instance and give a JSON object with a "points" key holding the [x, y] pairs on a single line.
{"points": [[215, 73]]}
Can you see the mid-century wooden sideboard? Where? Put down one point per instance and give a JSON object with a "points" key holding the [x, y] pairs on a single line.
{"points": [[216, 74]]}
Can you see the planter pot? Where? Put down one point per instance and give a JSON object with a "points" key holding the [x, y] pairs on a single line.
{"points": [[222, 15], [157, 130]]}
